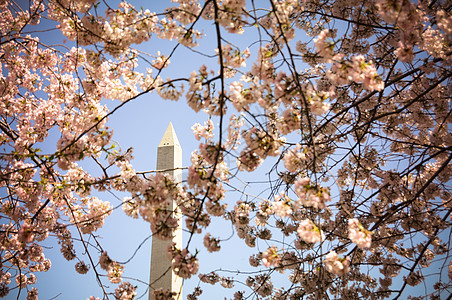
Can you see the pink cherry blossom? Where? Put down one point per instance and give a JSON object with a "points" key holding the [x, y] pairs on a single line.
{"points": [[212, 244], [358, 234], [270, 257], [309, 232], [125, 291], [336, 265]]}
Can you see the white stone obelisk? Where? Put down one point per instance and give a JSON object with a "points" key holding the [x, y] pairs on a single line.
{"points": [[169, 159]]}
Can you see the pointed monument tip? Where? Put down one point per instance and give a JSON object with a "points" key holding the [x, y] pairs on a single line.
{"points": [[170, 137]]}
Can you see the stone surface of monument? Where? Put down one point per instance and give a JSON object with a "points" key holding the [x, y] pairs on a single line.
{"points": [[169, 160]]}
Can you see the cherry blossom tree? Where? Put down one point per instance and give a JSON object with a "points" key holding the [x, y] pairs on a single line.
{"points": [[341, 108]]}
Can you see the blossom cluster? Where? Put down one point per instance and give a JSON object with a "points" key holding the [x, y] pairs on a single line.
{"points": [[309, 232], [335, 264], [113, 268], [309, 195], [358, 234], [125, 291], [183, 264], [270, 257]]}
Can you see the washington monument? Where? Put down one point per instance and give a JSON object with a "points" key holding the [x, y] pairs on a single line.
{"points": [[169, 159]]}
